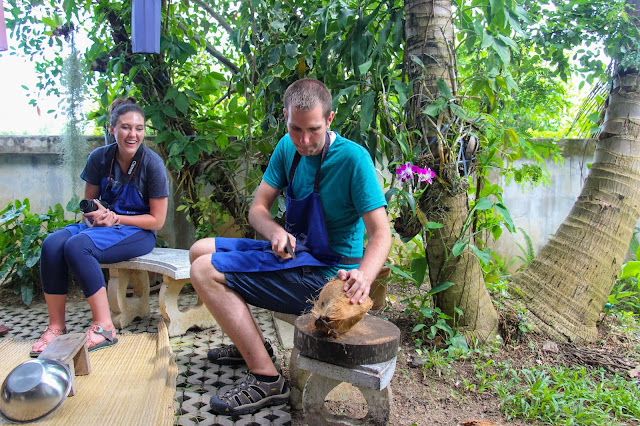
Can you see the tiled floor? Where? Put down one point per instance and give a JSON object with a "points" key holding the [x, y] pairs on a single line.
{"points": [[197, 380]]}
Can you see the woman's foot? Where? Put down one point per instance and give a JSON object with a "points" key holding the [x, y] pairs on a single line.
{"points": [[44, 340], [99, 338]]}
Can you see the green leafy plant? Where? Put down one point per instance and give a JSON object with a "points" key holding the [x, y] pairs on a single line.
{"points": [[481, 205], [625, 296], [21, 236], [527, 251], [564, 395], [486, 378]]}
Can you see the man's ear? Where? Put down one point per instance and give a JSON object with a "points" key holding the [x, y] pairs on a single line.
{"points": [[330, 118], [284, 112]]}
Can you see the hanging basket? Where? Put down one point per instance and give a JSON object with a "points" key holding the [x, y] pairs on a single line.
{"points": [[407, 225], [464, 158]]}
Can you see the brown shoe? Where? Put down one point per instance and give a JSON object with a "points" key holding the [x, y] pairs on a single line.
{"points": [[4, 330]]}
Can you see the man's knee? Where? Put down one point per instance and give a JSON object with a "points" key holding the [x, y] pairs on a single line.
{"points": [[201, 248], [204, 274]]}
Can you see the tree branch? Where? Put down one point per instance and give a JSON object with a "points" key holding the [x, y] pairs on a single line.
{"points": [[223, 22], [212, 50]]}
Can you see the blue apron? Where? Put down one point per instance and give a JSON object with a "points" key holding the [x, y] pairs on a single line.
{"points": [[124, 200], [304, 220]]}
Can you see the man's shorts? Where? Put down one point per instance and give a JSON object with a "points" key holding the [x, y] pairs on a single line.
{"points": [[290, 291]]}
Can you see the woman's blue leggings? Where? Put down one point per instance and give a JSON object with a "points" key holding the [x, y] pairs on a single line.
{"points": [[62, 251]]}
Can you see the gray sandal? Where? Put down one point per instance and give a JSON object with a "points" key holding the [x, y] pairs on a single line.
{"points": [[109, 338]]}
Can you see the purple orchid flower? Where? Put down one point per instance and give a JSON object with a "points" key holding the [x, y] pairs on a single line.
{"points": [[424, 175], [405, 172]]}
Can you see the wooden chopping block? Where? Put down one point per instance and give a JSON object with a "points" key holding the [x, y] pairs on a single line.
{"points": [[372, 340], [70, 350]]}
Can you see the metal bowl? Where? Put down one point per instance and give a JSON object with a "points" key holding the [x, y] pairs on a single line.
{"points": [[34, 389]]}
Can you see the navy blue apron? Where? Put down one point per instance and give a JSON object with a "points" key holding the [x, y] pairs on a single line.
{"points": [[123, 199], [304, 220]]}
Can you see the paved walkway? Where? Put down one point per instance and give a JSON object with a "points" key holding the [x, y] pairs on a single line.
{"points": [[197, 380]]}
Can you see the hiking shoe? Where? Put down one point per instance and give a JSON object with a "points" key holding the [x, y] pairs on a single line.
{"points": [[250, 396], [230, 355]]}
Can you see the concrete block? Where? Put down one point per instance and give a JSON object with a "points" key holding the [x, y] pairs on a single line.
{"points": [[284, 331], [373, 376]]}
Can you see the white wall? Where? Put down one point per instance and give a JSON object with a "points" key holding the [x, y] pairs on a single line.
{"points": [[29, 167]]}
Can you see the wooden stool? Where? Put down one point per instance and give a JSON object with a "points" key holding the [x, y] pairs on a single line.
{"points": [[70, 350], [365, 357]]}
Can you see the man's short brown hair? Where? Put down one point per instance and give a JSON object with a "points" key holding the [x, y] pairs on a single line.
{"points": [[306, 94]]}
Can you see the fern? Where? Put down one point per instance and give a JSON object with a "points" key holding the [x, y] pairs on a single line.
{"points": [[528, 253]]}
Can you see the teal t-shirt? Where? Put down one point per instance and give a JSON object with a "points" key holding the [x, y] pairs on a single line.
{"points": [[349, 188]]}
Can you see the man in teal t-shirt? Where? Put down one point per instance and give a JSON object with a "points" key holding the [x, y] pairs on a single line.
{"points": [[348, 188], [333, 195]]}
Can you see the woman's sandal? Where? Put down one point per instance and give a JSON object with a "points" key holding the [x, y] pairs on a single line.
{"points": [[110, 338], [46, 338]]}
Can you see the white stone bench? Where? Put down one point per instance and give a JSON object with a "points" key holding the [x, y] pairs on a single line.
{"points": [[175, 268]]}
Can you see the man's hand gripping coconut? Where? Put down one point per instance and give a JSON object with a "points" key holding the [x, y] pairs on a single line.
{"points": [[334, 312]]}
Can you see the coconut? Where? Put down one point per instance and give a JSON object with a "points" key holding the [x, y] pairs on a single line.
{"points": [[334, 313]]}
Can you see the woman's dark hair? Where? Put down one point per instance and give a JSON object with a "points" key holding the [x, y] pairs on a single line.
{"points": [[122, 106]]}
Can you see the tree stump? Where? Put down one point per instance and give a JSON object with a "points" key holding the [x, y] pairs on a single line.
{"points": [[370, 341]]}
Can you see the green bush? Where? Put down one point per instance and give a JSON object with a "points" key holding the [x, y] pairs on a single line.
{"points": [[21, 236]]}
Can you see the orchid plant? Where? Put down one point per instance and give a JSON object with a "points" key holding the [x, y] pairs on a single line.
{"points": [[414, 181]]}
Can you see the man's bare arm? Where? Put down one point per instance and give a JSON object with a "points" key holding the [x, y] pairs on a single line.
{"points": [[260, 219], [359, 280]]}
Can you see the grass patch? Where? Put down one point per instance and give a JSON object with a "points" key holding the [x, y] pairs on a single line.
{"points": [[562, 395]]}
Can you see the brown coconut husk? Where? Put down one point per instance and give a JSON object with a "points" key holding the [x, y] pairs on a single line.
{"points": [[333, 311]]}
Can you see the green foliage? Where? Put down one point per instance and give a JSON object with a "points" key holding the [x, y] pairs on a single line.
{"points": [[214, 95], [528, 253], [212, 215], [483, 204], [20, 243], [561, 395], [430, 321], [434, 359], [625, 296], [497, 271], [529, 174]]}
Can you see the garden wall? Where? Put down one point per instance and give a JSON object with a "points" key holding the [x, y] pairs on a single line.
{"points": [[540, 211], [30, 168]]}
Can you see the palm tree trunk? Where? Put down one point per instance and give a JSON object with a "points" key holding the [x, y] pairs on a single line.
{"points": [[469, 293], [429, 37], [567, 285]]}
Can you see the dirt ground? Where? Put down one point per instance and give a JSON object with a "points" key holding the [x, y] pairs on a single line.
{"points": [[435, 396]]}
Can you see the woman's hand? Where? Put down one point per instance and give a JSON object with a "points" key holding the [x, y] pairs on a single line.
{"points": [[101, 217]]}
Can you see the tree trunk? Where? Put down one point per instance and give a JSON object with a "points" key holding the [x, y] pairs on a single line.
{"points": [[429, 37], [469, 293], [567, 285]]}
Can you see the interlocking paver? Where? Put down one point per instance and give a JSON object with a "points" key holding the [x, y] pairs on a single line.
{"points": [[197, 380]]}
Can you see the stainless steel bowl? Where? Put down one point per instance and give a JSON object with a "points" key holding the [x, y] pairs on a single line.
{"points": [[34, 389]]}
